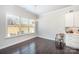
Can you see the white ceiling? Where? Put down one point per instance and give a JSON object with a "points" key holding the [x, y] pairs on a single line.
{"points": [[40, 9]]}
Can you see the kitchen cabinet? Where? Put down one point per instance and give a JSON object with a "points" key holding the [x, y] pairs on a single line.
{"points": [[72, 19], [76, 19], [69, 19], [72, 40]]}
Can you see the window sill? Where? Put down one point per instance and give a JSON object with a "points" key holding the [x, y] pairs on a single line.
{"points": [[18, 35]]}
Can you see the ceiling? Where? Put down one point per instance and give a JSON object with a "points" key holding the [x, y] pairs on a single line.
{"points": [[41, 9]]}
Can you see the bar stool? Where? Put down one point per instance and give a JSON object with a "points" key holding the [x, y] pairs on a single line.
{"points": [[59, 41]]}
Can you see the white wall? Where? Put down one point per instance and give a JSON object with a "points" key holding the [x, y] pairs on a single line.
{"points": [[53, 22], [49, 25], [15, 10]]}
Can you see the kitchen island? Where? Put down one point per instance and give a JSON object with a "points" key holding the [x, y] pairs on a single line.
{"points": [[72, 40]]}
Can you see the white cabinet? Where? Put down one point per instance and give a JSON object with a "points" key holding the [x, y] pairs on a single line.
{"points": [[72, 19], [69, 19], [72, 40], [76, 19]]}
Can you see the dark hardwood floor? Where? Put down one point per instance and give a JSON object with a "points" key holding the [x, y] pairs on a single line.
{"points": [[38, 46], [44, 46]]}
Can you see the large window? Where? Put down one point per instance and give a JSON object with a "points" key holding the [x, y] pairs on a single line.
{"points": [[19, 25]]}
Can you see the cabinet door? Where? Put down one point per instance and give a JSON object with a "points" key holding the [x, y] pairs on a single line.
{"points": [[69, 19], [76, 22]]}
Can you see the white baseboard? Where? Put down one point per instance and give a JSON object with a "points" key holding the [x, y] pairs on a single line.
{"points": [[49, 38]]}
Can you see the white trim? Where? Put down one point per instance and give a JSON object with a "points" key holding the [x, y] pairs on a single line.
{"points": [[41, 36]]}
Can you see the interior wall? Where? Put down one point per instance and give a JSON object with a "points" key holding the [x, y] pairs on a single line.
{"points": [[15, 10], [53, 22]]}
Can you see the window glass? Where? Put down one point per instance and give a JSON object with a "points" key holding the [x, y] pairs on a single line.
{"points": [[31, 26], [19, 25], [24, 26], [13, 25]]}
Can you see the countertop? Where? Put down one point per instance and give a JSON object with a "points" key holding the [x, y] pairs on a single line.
{"points": [[72, 34]]}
